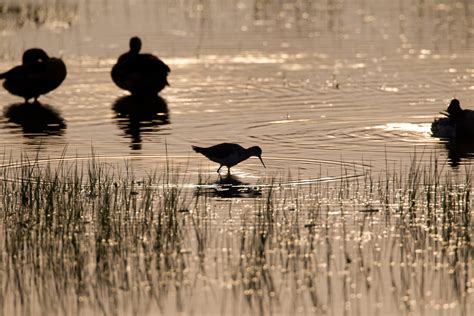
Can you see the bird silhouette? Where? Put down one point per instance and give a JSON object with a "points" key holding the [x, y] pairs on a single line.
{"points": [[458, 123], [228, 154], [38, 74], [141, 74]]}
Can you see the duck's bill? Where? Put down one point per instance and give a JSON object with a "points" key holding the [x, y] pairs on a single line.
{"points": [[262, 162]]}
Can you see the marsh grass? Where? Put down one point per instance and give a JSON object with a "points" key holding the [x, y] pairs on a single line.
{"points": [[91, 238]]}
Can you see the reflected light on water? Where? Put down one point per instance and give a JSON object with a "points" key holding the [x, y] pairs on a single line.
{"points": [[407, 127], [413, 132], [225, 59], [288, 121]]}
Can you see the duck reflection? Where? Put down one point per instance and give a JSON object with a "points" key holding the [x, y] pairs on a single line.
{"points": [[228, 186], [35, 118], [459, 149], [138, 114]]}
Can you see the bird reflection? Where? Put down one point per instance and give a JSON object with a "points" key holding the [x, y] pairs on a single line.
{"points": [[35, 118], [228, 186], [138, 114], [459, 149]]}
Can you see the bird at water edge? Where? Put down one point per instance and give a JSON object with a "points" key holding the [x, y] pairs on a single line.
{"points": [[458, 123], [228, 154], [38, 74]]}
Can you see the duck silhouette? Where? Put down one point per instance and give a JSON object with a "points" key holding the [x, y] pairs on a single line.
{"points": [[458, 123], [141, 74], [228, 154], [38, 74]]}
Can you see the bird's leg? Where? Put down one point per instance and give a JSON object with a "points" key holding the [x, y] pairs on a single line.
{"points": [[219, 168], [228, 170]]}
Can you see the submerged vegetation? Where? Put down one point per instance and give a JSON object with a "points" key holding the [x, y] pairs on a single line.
{"points": [[91, 238]]}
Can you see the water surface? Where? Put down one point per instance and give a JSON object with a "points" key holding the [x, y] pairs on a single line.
{"points": [[333, 81]]}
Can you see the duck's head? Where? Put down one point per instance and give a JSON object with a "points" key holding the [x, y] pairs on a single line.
{"points": [[257, 152], [454, 109], [135, 44], [33, 55]]}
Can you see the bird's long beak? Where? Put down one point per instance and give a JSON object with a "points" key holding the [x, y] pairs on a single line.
{"points": [[259, 157]]}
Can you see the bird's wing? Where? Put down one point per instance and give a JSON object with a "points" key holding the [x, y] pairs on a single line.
{"points": [[143, 64], [28, 70], [151, 63], [224, 150], [468, 114], [14, 72]]}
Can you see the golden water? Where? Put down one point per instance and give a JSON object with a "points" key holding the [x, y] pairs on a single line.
{"points": [[326, 88]]}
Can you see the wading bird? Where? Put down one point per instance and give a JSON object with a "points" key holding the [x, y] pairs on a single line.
{"points": [[229, 155], [38, 74], [141, 74]]}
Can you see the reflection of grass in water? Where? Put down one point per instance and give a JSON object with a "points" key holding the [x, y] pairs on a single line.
{"points": [[58, 14], [81, 238]]}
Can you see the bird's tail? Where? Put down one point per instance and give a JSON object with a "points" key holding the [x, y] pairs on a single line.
{"points": [[197, 149], [3, 75]]}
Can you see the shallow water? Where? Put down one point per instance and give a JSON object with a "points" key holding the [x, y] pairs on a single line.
{"points": [[328, 89], [327, 81]]}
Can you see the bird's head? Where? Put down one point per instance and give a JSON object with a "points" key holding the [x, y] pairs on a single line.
{"points": [[135, 44], [34, 55], [257, 152], [454, 108]]}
